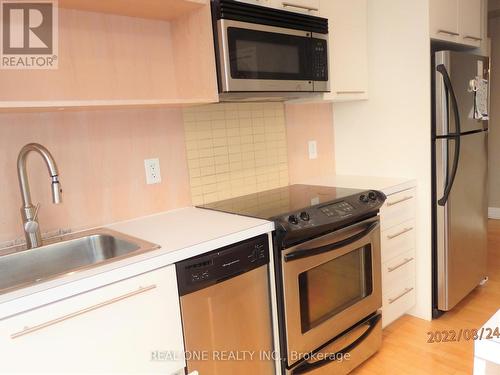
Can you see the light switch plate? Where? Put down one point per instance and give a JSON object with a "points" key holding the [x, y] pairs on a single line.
{"points": [[313, 149], [153, 172]]}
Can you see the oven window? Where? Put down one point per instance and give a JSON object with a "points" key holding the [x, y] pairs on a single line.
{"points": [[332, 287], [264, 55]]}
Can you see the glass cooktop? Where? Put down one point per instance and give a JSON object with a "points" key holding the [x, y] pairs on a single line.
{"points": [[272, 203]]}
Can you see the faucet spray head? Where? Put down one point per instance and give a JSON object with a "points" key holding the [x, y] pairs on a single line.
{"points": [[56, 190]]}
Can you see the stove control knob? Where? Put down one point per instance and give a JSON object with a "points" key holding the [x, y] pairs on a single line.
{"points": [[364, 198], [372, 195], [305, 216], [292, 219]]}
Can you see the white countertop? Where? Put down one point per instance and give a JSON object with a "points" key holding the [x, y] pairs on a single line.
{"points": [[191, 231], [488, 348], [388, 185], [181, 234]]}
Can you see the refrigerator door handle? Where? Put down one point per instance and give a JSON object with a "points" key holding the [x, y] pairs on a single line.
{"points": [[455, 137]]}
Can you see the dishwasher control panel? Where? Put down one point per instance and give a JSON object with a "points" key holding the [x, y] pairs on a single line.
{"points": [[222, 264]]}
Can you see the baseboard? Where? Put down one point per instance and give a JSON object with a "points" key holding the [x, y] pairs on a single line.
{"points": [[494, 213]]}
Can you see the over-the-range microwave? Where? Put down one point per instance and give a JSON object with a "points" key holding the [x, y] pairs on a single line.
{"points": [[266, 53]]}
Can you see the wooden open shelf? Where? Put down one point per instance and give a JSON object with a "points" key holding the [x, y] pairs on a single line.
{"points": [[114, 61], [154, 9], [75, 105]]}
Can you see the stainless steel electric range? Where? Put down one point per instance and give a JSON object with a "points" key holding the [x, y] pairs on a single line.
{"points": [[328, 272]]}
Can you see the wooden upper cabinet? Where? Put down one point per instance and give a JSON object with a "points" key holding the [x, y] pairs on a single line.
{"points": [[156, 9], [348, 58], [108, 59], [456, 21]]}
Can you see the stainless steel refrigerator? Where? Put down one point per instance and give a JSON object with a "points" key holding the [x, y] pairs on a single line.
{"points": [[460, 175]]}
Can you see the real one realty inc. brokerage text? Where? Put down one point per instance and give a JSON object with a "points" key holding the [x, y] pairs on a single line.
{"points": [[242, 355]]}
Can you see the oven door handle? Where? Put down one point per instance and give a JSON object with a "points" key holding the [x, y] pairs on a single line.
{"points": [[306, 367], [305, 253]]}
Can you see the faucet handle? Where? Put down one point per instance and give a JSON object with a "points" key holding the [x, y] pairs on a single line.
{"points": [[37, 208], [31, 226]]}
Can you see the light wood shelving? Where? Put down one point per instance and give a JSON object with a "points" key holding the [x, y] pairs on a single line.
{"points": [[109, 60], [155, 9], [75, 105]]}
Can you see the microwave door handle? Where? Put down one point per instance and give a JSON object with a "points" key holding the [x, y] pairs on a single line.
{"points": [[311, 366], [455, 136], [305, 253]]}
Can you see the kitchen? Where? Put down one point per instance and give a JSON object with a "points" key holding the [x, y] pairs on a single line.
{"points": [[138, 87]]}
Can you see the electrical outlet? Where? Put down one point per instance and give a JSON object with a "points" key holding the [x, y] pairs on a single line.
{"points": [[313, 149], [153, 173]]}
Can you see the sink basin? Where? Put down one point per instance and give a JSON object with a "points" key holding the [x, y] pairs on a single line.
{"points": [[71, 253]]}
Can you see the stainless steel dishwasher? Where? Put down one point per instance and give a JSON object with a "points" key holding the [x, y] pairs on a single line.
{"points": [[226, 311]]}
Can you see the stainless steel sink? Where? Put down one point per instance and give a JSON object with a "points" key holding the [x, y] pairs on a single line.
{"points": [[71, 253]]}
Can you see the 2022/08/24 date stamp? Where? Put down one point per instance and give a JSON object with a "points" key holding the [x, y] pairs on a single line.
{"points": [[452, 335]]}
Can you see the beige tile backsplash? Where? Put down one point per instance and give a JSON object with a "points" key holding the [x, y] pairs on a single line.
{"points": [[235, 149]]}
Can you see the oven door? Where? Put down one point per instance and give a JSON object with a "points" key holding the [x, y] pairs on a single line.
{"points": [[258, 58], [330, 284]]}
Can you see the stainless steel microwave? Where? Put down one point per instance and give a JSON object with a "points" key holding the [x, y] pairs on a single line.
{"points": [[265, 50]]}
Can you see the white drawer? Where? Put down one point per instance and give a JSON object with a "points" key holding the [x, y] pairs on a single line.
{"points": [[398, 208], [114, 328], [398, 239], [397, 270], [398, 301]]}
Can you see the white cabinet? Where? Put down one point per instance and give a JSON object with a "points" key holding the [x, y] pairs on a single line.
{"points": [[264, 3], [444, 20], [397, 222], [457, 21], [469, 18], [311, 7], [348, 60], [122, 328]]}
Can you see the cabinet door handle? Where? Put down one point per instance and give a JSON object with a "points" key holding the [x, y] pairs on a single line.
{"points": [[443, 31], [407, 290], [392, 236], [291, 5], [406, 261], [351, 92], [38, 327], [389, 204], [473, 38]]}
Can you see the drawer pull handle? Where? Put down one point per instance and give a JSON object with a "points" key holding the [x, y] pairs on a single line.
{"points": [[389, 204], [351, 92], [28, 330], [443, 31], [406, 230], [407, 290], [291, 5], [473, 38], [406, 261]]}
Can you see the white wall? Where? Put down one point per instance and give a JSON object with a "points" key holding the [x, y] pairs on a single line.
{"points": [[389, 135]]}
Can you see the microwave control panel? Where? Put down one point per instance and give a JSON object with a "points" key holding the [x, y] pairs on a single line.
{"points": [[320, 59]]}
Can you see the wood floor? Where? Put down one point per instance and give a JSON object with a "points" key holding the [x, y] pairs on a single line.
{"points": [[405, 349]]}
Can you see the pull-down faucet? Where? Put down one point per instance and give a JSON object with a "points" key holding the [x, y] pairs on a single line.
{"points": [[29, 213]]}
